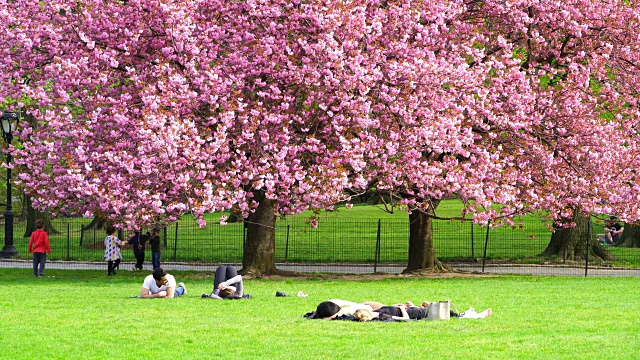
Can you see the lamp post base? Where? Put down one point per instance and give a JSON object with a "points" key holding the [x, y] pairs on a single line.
{"points": [[8, 251]]}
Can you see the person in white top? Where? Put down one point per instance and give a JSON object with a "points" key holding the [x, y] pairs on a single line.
{"points": [[161, 285]]}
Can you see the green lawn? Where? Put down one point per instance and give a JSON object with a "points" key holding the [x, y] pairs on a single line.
{"points": [[345, 235], [85, 315]]}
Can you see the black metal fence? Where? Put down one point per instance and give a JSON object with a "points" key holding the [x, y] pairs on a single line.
{"points": [[336, 245]]}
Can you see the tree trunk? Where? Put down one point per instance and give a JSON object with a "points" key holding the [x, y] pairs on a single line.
{"points": [[260, 243], [33, 215], [630, 237], [95, 224], [570, 244], [421, 250]]}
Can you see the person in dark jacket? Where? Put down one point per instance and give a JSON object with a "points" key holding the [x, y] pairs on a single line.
{"points": [[154, 241], [138, 242]]}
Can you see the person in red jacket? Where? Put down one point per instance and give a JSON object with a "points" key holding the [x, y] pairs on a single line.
{"points": [[39, 246]]}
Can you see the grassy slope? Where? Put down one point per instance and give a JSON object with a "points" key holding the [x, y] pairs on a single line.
{"points": [[83, 314]]}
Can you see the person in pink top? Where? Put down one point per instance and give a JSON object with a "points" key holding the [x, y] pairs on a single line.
{"points": [[39, 246]]}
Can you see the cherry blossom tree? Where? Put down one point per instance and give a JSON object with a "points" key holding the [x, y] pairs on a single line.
{"points": [[149, 110], [517, 107], [583, 55]]}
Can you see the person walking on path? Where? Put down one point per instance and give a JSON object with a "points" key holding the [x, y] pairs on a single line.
{"points": [[138, 242], [39, 246], [154, 241], [112, 250]]}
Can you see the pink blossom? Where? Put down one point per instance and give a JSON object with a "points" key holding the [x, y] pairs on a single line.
{"points": [[194, 106]]}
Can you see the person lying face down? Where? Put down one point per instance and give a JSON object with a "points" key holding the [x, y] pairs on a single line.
{"points": [[161, 285]]}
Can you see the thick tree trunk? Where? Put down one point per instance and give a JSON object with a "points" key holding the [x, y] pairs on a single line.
{"points": [[630, 236], [260, 242], [95, 224], [570, 244], [421, 250], [33, 215]]}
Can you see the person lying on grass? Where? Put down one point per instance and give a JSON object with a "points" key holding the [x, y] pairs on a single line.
{"points": [[336, 308], [409, 311], [161, 285], [227, 284]]}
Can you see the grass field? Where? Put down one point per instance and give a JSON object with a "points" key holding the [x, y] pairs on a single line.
{"points": [[85, 315], [345, 235]]}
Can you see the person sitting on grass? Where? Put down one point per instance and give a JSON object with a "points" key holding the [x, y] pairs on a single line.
{"points": [[161, 285], [227, 284], [613, 230]]}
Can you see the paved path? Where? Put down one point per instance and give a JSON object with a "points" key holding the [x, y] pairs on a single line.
{"points": [[343, 268]]}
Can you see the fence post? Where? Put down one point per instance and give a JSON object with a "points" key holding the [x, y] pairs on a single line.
{"points": [[175, 244], [68, 240], [473, 256], [486, 242], [286, 246], [244, 237], [377, 254], [164, 236], [586, 256]]}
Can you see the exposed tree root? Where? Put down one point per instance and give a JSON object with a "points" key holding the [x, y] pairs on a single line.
{"points": [[438, 267]]}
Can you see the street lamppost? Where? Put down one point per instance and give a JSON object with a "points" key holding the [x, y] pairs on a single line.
{"points": [[9, 119]]}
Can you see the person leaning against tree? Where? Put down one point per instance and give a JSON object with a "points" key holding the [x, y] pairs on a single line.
{"points": [[39, 246]]}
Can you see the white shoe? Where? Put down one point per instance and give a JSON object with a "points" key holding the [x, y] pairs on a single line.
{"points": [[134, 268], [185, 289]]}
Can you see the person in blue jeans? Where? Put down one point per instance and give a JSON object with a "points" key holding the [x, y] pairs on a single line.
{"points": [[154, 241], [39, 246], [161, 285]]}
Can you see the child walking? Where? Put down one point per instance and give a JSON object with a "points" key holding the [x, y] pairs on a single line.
{"points": [[154, 241], [39, 246], [112, 250]]}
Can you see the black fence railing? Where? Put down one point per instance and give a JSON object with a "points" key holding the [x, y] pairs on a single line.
{"points": [[337, 245]]}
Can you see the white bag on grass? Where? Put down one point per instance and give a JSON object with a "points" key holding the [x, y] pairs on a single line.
{"points": [[439, 310]]}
